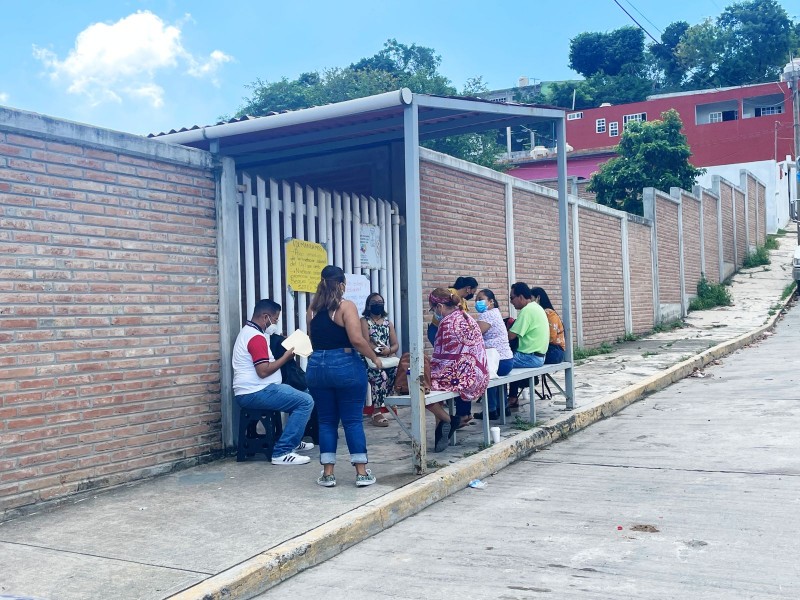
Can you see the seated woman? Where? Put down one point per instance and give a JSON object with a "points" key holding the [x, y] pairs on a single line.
{"points": [[458, 363], [495, 336], [465, 288], [556, 345], [379, 332], [555, 350]]}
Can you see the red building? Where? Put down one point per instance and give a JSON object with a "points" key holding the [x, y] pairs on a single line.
{"points": [[727, 126]]}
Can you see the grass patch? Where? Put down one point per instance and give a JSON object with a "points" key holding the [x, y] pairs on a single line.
{"points": [[583, 353], [757, 258], [522, 424], [788, 290], [662, 327], [710, 295], [432, 464], [781, 232], [628, 337], [771, 243], [648, 353]]}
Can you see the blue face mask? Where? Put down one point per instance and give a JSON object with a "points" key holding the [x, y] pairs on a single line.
{"points": [[481, 306]]}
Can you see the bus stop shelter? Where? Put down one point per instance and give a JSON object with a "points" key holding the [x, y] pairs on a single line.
{"points": [[400, 119]]}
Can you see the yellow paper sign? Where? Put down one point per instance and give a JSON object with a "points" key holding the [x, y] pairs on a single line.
{"points": [[304, 263]]}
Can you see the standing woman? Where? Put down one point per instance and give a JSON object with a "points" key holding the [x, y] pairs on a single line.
{"points": [[336, 376], [379, 332], [557, 346]]}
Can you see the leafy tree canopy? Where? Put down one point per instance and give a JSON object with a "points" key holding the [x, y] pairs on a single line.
{"points": [[651, 154], [607, 53], [395, 66]]}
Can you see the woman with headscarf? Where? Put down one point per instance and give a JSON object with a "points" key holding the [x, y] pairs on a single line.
{"points": [[458, 363]]}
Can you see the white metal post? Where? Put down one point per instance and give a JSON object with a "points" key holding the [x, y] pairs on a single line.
{"points": [[563, 231], [289, 315], [263, 251], [249, 263]]}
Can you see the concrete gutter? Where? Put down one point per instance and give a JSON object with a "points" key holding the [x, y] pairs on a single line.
{"points": [[266, 570]]}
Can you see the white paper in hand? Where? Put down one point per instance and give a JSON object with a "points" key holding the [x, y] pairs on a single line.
{"points": [[300, 342]]}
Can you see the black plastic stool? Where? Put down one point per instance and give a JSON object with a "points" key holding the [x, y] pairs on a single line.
{"points": [[250, 442]]}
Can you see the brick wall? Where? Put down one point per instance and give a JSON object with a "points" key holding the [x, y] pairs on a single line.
{"points": [[762, 213], [711, 236], [752, 210], [108, 317], [741, 229], [726, 198], [536, 242], [669, 288], [601, 277], [690, 208], [585, 193], [463, 230], [641, 266]]}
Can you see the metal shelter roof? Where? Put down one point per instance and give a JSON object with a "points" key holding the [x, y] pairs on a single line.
{"points": [[354, 123]]}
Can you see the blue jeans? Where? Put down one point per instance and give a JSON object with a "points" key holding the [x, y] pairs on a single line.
{"points": [[338, 382], [527, 361], [555, 355], [505, 367], [283, 398]]}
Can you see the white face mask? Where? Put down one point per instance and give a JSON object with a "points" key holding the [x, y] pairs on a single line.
{"points": [[272, 329]]}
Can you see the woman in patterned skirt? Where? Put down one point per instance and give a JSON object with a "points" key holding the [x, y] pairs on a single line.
{"points": [[379, 332]]}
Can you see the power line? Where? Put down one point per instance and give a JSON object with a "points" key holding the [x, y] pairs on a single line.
{"points": [[643, 16], [639, 25]]}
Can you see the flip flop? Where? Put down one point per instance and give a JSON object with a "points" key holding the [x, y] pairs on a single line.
{"points": [[379, 420]]}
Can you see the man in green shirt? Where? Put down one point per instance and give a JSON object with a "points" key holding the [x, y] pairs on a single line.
{"points": [[531, 328]]}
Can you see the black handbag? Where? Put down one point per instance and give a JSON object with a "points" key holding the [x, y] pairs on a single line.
{"points": [[291, 373]]}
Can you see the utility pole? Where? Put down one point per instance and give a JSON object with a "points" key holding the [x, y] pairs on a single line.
{"points": [[791, 74]]}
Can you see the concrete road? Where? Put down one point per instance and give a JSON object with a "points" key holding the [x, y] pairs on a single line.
{"points": [[693, 492]]}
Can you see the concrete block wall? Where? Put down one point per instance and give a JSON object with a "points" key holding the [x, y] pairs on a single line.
{"points": [[740, 237], [602, 285], [724, 190], [692, 240], [711, 224], [108, 308], [641, 268]]}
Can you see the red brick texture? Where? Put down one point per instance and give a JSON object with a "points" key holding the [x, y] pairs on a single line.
{"points": [[726, 198], [641, 267], [108, 318], [752, 211], [741, 230], [669, 275], [762, 213], [690, 210], [601, 277], [711, 236]]}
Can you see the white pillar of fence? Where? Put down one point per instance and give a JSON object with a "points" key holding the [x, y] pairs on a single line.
{"points": [[275, 240], [698, 192], [384, 218], [374, 274], [344, 233], [329, 224], [355, 227], [263, 252], [289, 314], [300, 234], [676, 194], [249, 266], [746, 190], [322, 210], [649, 206], [398, 313]]}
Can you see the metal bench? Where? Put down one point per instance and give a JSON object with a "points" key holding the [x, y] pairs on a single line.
{"points": [[515, 375]]}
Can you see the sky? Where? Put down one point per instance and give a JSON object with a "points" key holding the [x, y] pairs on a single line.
{"points": [[145, 66]]}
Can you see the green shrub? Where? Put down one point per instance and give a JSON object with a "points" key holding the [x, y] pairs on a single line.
{"points": [[788, 290], [710, 295], [771, 243], [757, 258], [581, 353]]}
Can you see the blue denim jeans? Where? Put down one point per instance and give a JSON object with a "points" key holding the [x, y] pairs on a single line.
{"points": [[527, 361], [337, 380], [283, 398], [493, 394]]}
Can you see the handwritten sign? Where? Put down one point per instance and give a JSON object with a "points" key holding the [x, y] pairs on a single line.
{"points": [[370, 245], [304, 263], [357, 290]]}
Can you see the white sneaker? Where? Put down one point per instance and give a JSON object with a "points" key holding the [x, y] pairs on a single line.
{"points": [[304, 446], [291, 459]]}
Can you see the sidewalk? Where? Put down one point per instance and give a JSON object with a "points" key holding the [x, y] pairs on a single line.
{"points": [[237, 528]]}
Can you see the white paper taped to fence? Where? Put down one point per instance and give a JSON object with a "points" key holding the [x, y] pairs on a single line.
{"points": [[370, 244], [357, 290]]}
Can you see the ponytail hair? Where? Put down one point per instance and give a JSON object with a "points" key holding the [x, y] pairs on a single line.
{"points": [[329, 290], [444, 297]]}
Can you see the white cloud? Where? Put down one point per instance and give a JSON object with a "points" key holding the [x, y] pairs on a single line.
{"points": [[112, 62], [3, 97]]}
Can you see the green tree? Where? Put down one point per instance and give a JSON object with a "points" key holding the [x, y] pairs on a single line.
{"points": [[395, 66], [749, 43], [609, 53], [667, 69], [651, 154]]}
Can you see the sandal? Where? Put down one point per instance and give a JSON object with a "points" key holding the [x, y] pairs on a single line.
{"points": [[513, 402], [379, 420]]}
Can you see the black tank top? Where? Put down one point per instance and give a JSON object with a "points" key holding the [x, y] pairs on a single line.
{"points": [[325, 334]]}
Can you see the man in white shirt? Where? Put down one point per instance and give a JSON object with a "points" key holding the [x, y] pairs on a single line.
{"points": [[257, 382]]}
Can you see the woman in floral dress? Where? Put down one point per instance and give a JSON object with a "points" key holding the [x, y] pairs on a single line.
{"points": [[379, 332]]}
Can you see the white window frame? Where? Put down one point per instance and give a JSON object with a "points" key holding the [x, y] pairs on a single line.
{"points": [[770, 110], [715, 117], [575, 116], [634, 117], [600, 126], [613, 129]]}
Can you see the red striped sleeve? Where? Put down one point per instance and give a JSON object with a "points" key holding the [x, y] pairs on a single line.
{"points": [[257, 347]]}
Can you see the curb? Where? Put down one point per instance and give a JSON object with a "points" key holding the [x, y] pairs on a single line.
{"points": [[267, 569]]}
